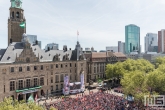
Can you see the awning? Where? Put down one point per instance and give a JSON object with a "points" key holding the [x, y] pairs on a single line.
{"points": [[27, 89]]}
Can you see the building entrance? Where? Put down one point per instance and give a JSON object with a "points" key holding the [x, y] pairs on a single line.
{"points": [[20, 97], [27, 96]]}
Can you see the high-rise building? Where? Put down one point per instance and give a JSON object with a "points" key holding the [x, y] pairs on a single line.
{"points": [[151, 42], [161, 41], [121, 47], [112, 48], [51, 46], [132, 38], [16, 17]]}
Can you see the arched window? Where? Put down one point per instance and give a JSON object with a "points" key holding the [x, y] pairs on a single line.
{"points": [[17, 15], [12, 15]]}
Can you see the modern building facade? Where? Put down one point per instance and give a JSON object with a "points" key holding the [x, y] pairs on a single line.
{"points": [[16, 17], [121, 46], [132, 38], [112, 48], [151, 42], [161, 41], [52, 46]]}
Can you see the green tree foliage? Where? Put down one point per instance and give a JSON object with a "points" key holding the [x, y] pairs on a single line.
{"points": [[139, 77], [159, 61], [10, 104]]}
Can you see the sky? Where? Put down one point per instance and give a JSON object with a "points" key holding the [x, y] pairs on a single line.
{"points": [[100, 23]]}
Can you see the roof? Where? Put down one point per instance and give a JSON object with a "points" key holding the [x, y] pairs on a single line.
{"points": [[98, 54], [119, 54], [15, 49], [2, 51]]}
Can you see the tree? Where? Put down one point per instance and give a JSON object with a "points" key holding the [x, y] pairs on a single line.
{"points": [[159, 61], [10, 104]]}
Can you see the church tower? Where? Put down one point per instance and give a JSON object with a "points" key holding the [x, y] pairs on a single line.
{"points": [[16, 22]]}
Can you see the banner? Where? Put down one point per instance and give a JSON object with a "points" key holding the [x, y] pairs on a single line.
{"points": [[82, 79], [66, 85]]}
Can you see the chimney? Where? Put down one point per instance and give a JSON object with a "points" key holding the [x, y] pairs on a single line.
{"points": [[70, 49]]}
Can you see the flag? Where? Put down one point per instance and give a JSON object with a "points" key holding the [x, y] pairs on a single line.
{"points": [[22, 25], [36, 98], [30, 99], [77, 33]]}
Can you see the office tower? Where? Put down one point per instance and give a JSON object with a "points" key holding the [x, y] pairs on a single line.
{"points": [[161, 41], [132, 38], [151, 42], [112, 48], [121, 47]]}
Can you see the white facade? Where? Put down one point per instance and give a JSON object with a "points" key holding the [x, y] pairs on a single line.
{"points": [[121, 47], [112, 48], [151, 42]]}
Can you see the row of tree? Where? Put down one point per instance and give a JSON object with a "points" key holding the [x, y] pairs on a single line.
{"points": [[139, 77], [10, 104]]}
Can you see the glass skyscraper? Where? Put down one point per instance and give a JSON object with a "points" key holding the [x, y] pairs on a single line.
{"points": [[132, 38]]}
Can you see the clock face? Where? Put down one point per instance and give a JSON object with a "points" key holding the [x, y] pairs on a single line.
{"points": [[17, 3]]}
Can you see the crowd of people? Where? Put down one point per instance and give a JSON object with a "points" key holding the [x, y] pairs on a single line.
{"points": [[96, 101]]}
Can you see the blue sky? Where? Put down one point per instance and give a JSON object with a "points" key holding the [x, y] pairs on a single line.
{"points": [[100, 23]]}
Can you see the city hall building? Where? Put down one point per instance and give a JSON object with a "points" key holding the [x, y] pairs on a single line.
{"points": [[27, 69]]}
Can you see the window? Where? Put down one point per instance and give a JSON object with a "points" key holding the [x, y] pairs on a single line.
{"points": [[75, 64], [70, 77], [66, 65], [28, 68], [20, 69], [51, 72], [57, 79], [35, 67], [35, 82], [20, 84], [12, 85], [51, 66], [70, 64], [27, 83], [75, 77], [41, 81], [56, 65], [97, 69], [94, 69], [51, 79], [12, 69], [4, 88], [17, 14], [56, 87], [41, 67], [61, 78], [61, 86], [51, 88], [61, 66]]}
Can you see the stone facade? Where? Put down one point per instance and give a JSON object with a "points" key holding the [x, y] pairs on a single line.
{"points": [[97, 61], [26, 69], [15, 32]]}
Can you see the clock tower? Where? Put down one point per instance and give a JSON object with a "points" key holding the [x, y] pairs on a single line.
{"points": [[15, 22]]}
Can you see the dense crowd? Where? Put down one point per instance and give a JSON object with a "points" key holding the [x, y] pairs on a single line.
{"points": [[96, 101]]}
